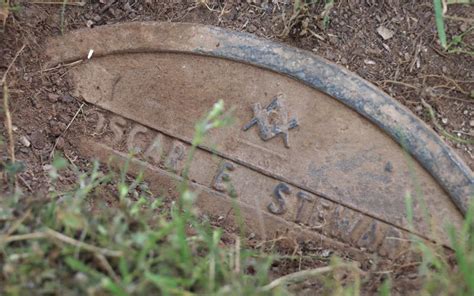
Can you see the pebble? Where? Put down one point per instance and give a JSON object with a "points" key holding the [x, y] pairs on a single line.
{"points": [[89, 23], [60, 143], [24, 141], [97, 18], [53, 98], [252, 28], [471, 123], [385, 33], [67, 98], [444, 120], [325, 253], [47, 167], [38, 140], [57, 127], [369, 62]]}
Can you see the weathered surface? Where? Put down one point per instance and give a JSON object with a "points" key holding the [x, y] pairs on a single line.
{"points": [[294, 155]]}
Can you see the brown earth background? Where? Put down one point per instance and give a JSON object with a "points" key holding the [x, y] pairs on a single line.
{"points": [[411, 66]]}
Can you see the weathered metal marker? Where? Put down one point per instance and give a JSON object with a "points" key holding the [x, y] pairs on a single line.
{"points": [[315, 152]]}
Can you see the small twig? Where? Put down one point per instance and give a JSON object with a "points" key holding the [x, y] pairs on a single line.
{"points": [[65, 130], [4, 79], [18, 222], [61, 2], [107, 6], [6, 108], [66, 239], [411, 264], [22, 237], [8, 124], [296, 276], [60, 66], [454, 82], [399, 83], [237, 255], [440, 128], [106, 265], [25, 183], [457, 18], [49, 233]]}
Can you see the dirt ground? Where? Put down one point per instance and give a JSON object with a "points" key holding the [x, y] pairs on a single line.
{"points": [[411, 66]]}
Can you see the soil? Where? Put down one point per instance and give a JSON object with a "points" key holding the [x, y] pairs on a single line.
{"points": [[411, 66]]}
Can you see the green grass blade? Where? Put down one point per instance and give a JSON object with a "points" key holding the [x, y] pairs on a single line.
{"points": [[438, 8]]}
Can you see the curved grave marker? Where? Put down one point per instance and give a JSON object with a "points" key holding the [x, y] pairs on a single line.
{"points": [[315, 151]]}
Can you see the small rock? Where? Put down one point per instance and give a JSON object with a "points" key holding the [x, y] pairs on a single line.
{"points": [[47, 167], [57, 128], [444, 120], [64, 118], [89, 23], [385, 33], [53, 98], [325, 253], [38, 140], [344, 61], [80, 278], [252, 28], [24, 150], [60, 143], [67, 98], [369, 62], [471, 123], [97, 18], [24, 141]]}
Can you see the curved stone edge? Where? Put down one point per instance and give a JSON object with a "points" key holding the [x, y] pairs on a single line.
{"points": [[396, 120]]}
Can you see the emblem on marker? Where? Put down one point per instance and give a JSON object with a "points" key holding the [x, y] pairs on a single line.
{"points": [[272, 120]]}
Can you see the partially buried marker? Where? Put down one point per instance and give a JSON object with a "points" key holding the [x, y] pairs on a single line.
{"points": [[315, 152]]}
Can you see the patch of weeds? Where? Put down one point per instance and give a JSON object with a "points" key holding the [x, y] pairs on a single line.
{"points": [[307, 18], [5, 8], [444, 270], [441, 130], [447, 271], [456, 44], [55, 244]]}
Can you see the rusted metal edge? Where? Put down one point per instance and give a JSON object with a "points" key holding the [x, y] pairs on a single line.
{"points": [[396, 120]]}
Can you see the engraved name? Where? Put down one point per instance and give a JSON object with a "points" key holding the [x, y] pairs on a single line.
{"points": [[291, 203]]}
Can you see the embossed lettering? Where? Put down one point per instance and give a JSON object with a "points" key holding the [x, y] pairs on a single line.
{"points": [[176, 154], [303, 197], [278, 206], [371, 237], [131, 145], [320, 211], [155, 151], [99, 126], [116, 125], [222, 177]]}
